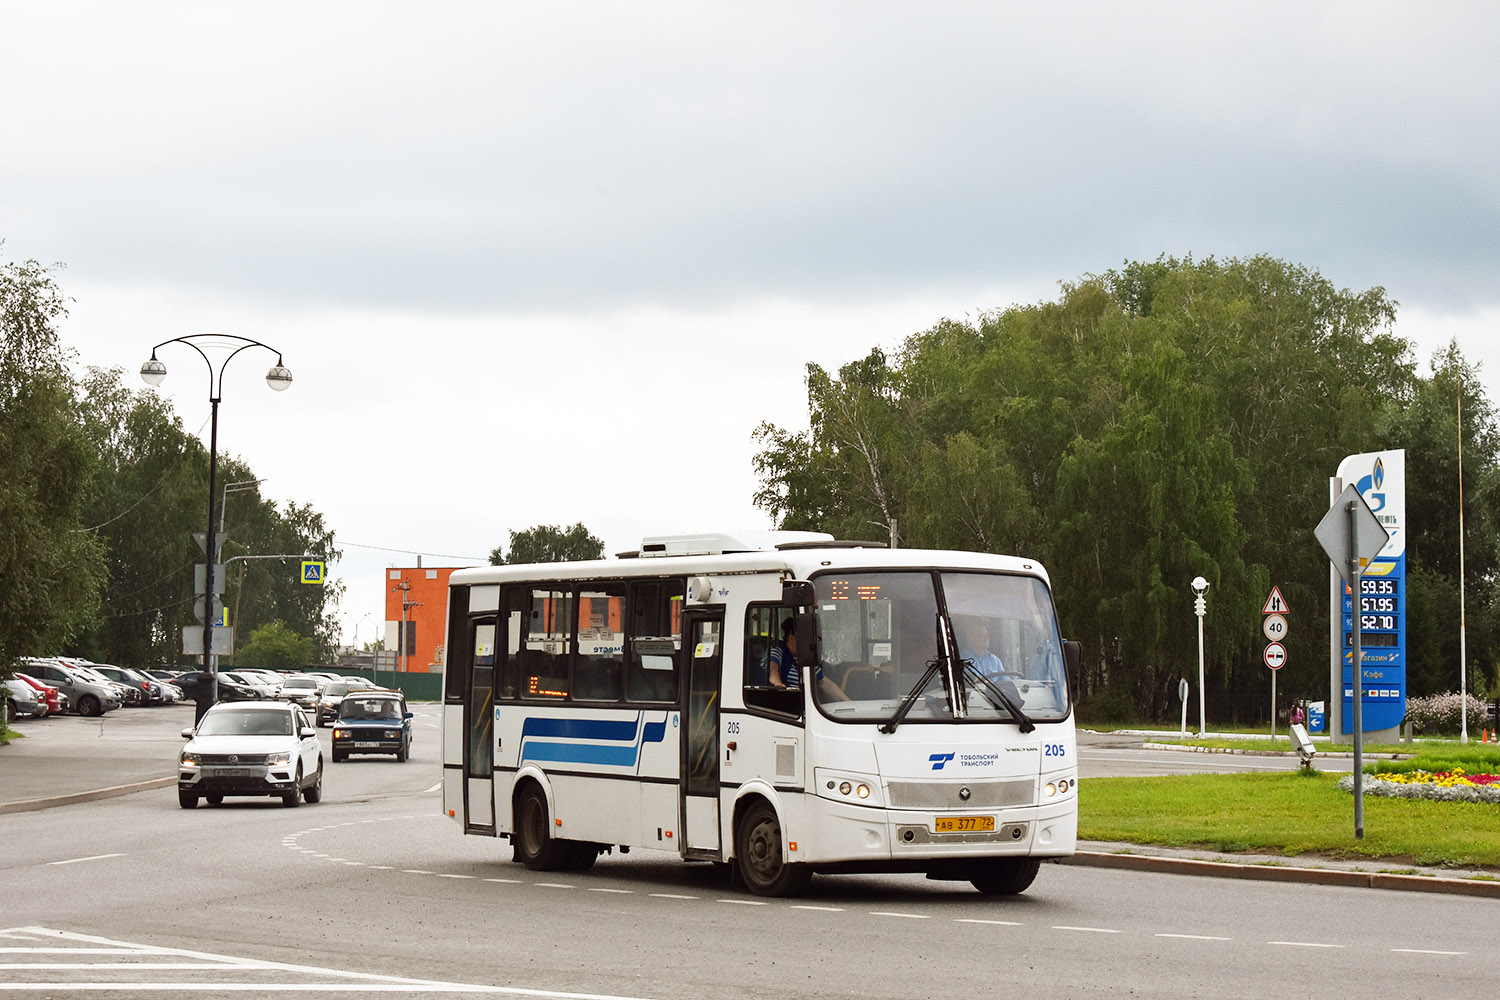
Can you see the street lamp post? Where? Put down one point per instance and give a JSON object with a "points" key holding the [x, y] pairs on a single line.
{"points": [[1200, 606], [278, 378]]}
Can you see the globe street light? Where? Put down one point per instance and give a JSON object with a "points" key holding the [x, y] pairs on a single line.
{"points": [[1200, 605], [278, 378]]}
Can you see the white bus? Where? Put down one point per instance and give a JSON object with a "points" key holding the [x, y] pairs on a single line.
{"points": [[644, 702]]}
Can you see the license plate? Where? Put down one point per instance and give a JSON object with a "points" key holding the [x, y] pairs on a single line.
{"points": [[964, 824], [233, 772], [367, 744]]}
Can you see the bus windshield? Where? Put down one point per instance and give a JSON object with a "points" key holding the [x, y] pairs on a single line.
{"points": [[881, 632]]}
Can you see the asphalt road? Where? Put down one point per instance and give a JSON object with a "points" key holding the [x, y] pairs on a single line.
{"points": [[373, 890]]}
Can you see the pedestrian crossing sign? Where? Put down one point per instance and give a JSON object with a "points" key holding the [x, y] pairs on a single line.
{"points": [[312, 571]]}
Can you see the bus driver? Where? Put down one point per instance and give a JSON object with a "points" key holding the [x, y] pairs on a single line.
{"points": [[785, 673]]}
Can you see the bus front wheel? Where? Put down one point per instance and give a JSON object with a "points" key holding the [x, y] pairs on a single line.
{"points": [[758, 855], [1004, 876], [534, 848]]}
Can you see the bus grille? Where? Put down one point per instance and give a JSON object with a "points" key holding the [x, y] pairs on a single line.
{"points": [[946, 795]]}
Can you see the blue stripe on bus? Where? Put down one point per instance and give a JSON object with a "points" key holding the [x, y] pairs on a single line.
{"points": [[623, 747]]}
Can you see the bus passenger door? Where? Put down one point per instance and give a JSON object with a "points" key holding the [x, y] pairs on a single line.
{"points": [[479, 758], [699, 826]]}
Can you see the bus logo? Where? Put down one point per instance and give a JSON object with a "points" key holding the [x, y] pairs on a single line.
{"points": [[939, 759]]}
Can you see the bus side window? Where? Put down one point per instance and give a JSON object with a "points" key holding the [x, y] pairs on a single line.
{"points": [[548, 645], [601, 643], [655, 639], [762, 633]]}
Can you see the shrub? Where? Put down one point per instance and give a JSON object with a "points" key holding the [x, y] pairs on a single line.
{"points": [[1441, 714]]}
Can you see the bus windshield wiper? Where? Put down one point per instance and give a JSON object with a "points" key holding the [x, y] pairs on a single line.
{"points": [[907, 703], [997, 694], [951, 667]]}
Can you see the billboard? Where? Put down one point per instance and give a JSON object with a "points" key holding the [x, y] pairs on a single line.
{"points": [[1380, 478]]}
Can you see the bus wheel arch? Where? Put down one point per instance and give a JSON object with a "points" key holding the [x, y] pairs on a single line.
{"points": [[760, 852]]}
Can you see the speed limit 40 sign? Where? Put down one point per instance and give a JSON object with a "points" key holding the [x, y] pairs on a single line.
{"points": [[1274, 627]]}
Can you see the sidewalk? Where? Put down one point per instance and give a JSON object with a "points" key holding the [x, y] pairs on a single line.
{"points": [[69, 759]]}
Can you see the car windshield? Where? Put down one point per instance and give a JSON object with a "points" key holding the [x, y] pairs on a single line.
{"points": [[337, 688], [370, 708], [883, 642], [299, 682], [255, 722]]}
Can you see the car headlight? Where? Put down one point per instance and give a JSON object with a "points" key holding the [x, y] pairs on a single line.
{"points": [[339, 734], [186, 759], [285, 757]]}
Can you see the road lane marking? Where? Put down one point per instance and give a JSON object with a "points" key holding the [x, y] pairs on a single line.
{"points": [[435, 788], [1195, 937], [997, 923], [907, 916], [744, 902], [1086, 930], [824, 909], [92, 857], [553, 885], [671, 895], [334, 980], [1304, 944], [627, 892], [1426, 951]]}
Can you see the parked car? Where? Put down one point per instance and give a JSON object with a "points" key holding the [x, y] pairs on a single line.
{"points": [[270, 678], [57, 702], [372, 722], [250, 748], [129, 694], [328, 701], [22, 701], [195, 683], [89, 697], [263, 689], [302, 689], [148, 688]]}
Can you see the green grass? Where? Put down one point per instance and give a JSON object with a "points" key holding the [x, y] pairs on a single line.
{"points": [[1290, 814]]}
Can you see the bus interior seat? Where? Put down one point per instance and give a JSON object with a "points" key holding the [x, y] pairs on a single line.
{"points": [[863, 682]]}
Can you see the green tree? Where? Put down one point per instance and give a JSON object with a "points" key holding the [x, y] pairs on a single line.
{"points": [[276, 647], [51, 567], [547, 543]]}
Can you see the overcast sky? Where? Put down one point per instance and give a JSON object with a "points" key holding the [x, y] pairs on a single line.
{"points": [[550, 263]]}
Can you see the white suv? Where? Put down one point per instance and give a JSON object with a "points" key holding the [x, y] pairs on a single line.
{"points": [[250, 748]]}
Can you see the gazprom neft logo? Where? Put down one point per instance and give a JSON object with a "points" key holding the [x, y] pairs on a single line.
{"points": [[939, 759]]}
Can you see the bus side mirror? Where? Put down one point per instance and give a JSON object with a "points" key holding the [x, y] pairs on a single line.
{"points": [[798, 593], [1073, 664]]}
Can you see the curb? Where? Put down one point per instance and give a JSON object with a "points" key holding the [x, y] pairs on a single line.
{"points": [[1279, 873], [32, 805]]}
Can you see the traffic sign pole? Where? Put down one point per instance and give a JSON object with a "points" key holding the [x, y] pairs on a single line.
{"points": [[1358, 674]]}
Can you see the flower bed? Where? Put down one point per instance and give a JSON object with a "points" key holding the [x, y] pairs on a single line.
{"points": [[1446, 786]]}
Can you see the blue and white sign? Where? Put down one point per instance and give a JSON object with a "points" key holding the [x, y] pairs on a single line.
{"points": [[1380, 478]]}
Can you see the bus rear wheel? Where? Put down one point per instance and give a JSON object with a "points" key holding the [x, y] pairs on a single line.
{"points": [[758, 855], [1004, 876], [534, 847]]}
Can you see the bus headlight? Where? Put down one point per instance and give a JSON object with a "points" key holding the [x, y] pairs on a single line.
{"points": [[847, 786]]}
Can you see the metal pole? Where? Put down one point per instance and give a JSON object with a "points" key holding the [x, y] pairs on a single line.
{"points": [[208, 576], [1273, 707], [1463, 648], [1357, 606], [1200, 605]]}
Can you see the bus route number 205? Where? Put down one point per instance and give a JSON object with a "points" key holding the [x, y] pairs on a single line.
{"points": [[1054, 750]]}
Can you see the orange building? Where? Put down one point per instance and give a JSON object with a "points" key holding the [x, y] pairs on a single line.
{"points": [[424, 592]]}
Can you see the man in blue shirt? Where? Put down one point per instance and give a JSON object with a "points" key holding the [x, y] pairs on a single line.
{"points": [[974, 645]]}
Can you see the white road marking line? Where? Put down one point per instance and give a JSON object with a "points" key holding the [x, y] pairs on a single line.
{"points": [[998, 923], [416, 871], [744, 902], [553, 885], [1426, 951], [1304, 944], [435, 788], [1195, 937], [824, 909], [671, 895], [627, 892], [446, 875], [364, 982], [507, 881], [906, 916], [1086, 930], [92, 857]]}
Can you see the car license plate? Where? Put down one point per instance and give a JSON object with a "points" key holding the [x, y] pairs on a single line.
{"points": [[964, 824], [233, 772], [367, 743]]}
